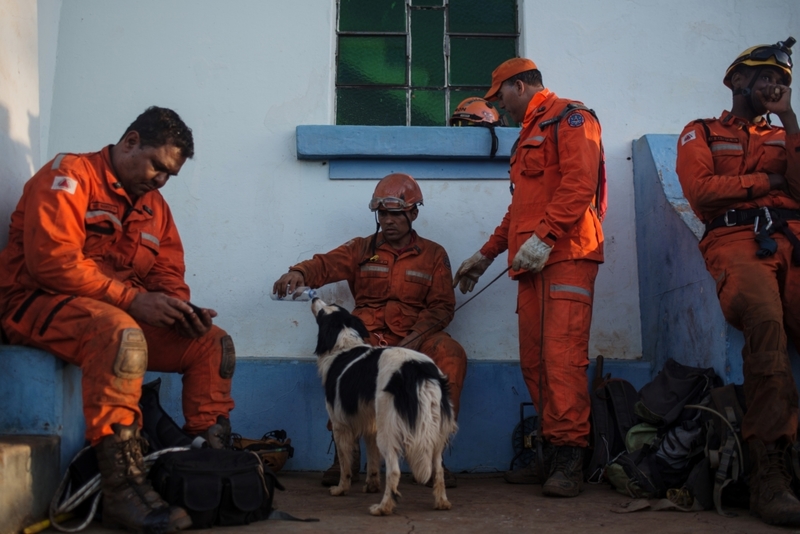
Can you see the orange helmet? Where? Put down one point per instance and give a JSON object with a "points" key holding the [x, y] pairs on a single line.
{"points": [[778, 55], [396, 192], [475, 111]]}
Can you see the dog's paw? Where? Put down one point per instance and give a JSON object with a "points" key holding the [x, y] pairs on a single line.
{"points": [[444, 504], [372, 486], [377, 509], [336, 491]]}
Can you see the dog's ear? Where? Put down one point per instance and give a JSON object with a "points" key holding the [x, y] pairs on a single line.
{"points": [[329, 330], [358, 325]]}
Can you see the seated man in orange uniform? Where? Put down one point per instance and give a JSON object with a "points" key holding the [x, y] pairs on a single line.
{"points": [[741, 176], [93, 273], [401, 285]]}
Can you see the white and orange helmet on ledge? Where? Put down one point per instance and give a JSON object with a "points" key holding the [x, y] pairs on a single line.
{"points": [[396, 192], [476, 111]]}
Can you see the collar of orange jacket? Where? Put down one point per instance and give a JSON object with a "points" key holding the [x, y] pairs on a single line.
{"points": [[537, 100], [727, 117]]}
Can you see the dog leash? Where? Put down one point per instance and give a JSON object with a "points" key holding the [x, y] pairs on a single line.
{"points": [[496, 278]]}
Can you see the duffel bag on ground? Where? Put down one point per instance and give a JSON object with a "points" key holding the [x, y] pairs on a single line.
{"points": [[216, 486]]}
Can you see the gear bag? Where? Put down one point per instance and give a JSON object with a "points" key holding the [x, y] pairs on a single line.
{"points": [[216, 486], [158, 428], [612, 417]]}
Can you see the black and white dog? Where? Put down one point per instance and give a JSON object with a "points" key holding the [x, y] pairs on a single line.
{"points": [[396, 398]]}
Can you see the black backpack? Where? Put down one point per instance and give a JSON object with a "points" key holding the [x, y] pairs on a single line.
{"points": [[216, 486], [612, 416]]}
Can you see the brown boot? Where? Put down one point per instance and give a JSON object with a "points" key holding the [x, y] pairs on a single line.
{"points": [[531, 473], [566, 477], [129, 500], [771, 498], [331, 476], [218, 435]]}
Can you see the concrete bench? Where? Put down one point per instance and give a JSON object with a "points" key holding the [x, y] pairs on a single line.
{"points": [[680, 314]]}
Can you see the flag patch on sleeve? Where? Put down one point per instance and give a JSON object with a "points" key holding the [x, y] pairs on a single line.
{"points": [[688, 137], [65, 183]]}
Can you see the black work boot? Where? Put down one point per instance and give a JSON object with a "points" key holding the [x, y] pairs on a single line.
{"points": [[331, 476], [450, 480], [771, 498], [566, 473], [531, 473], [218, 435], [129, 500]]}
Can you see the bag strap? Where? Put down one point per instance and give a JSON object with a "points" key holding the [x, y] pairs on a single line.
{"points": [[620, 401]]}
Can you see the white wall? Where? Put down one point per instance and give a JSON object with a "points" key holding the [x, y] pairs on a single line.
{"points": [[243, 74]]}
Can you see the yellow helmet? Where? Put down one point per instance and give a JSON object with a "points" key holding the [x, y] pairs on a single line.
{"points": [[778, 55]]}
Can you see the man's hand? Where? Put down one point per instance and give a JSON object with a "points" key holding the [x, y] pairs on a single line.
{"points": [[158, 309], [532, 255], [775, 98], [467, 275], [412, 341], [287, 283], [776, 181]]}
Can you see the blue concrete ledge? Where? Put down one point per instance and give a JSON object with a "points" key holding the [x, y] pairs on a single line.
{"points": [[427, 153], [280, 394], [680, 313]]}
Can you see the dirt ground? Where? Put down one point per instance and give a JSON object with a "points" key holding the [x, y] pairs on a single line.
{"points": [[481, 503]]}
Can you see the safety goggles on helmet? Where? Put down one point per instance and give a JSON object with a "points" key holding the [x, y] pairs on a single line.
{"points": [[782, 58], [390, 204]]}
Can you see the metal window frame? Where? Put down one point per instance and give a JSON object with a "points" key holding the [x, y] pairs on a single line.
{"points": [[407, 87]]}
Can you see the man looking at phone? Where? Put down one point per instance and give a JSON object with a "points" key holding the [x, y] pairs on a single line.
{"points": [[94, 274]]}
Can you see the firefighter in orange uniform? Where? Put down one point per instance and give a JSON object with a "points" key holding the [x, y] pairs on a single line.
{"points": [[741, 176], [93, 273], [401, 285], [555, 243]]}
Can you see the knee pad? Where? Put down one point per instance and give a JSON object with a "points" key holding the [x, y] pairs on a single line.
{"points": [[131, 360], [228, 363]]}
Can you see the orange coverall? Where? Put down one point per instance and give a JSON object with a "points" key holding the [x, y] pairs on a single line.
{"points": [[554, 189], [726, 169], [398, 293], [78, 253]]}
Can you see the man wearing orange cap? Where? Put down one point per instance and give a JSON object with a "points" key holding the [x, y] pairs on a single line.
{"points": [[401, 285], [555, 242], [741, 176]]}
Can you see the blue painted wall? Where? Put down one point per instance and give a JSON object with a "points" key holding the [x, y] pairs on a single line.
{"points": [[680, 313]]}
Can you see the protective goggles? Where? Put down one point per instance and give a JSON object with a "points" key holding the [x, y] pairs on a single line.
{"points": [[782, 58], [389, 204]]}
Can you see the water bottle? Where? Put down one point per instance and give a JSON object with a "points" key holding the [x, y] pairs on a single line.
{"points": [[301, 294]]}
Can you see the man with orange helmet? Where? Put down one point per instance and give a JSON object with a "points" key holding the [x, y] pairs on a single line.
{"points": [[555, 242], [94, 274], [400, 283], [741, 175], [474, 111]]}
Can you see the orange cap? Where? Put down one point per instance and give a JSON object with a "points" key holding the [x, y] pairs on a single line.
{"points": [[506, 70]]}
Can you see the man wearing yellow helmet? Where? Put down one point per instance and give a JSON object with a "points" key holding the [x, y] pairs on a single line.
{"points": [[401, 285], [741, 175]]}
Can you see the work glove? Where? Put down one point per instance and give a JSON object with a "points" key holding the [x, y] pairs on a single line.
{"points": [[532, 255], [469, 272]]}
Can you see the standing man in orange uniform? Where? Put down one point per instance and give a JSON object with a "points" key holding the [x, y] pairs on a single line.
{"points": [[401, 285], [741, 176], [93, 273], [555, 242]]}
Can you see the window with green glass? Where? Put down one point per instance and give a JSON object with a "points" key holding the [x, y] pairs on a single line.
{"points": [[410, 62]]}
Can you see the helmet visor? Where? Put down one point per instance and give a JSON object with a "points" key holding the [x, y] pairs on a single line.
{"points": [[389, 204], [764, 53]]}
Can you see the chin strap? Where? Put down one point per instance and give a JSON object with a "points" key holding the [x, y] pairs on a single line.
{"points": [[747, 92]]}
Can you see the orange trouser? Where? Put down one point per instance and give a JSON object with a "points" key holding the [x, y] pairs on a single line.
{"points": [[761, 297], [568, 289], [87, 333]]}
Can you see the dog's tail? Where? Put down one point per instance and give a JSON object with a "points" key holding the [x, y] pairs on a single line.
{"points": [[422, 399]]}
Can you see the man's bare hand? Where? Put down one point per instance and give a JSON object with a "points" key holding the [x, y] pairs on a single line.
{"points": [[158, 309], [287, 283], [775, 98]]}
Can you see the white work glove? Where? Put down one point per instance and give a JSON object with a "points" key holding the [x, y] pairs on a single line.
{"points": [[532, 255], [469, 272]]}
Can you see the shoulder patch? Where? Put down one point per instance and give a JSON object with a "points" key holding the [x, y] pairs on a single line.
{"points": [[65, 183], [447, 262], [690, 136], [575, 120]]}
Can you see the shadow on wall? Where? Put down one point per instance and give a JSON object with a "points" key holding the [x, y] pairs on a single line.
{"points": [[16, 167]]}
